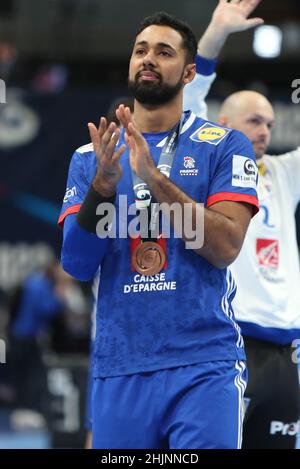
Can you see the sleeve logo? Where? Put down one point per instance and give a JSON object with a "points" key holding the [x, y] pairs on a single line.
{"points": [[244, 172], [208, 133], [70, 192]]}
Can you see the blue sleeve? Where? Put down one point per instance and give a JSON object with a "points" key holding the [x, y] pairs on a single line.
{"points": [[234, 172], [205, 66], [82, 252], [195, 93], [77, 187]]}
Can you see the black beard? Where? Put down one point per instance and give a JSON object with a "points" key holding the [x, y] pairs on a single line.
{"points": [[154, 94]]}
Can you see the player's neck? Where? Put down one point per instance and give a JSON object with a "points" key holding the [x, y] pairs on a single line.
{"points": [[158, 118]]}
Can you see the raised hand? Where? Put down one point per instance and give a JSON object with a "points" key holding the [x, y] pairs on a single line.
{"points": [[124, 115], [233, 16], [140, 157], [228, 17], [141, 160], [109, 170]]}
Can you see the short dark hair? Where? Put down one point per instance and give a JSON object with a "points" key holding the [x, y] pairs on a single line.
{"points": [[162, 18]]}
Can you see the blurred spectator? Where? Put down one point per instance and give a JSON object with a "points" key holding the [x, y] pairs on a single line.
{"points": [[8, 58], [51, 78], [70, 330], [32, 309]]}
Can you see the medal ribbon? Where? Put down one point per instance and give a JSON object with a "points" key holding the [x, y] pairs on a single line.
{"points": [[143, 195]]}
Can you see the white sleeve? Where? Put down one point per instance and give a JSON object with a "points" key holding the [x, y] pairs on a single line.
{"points": [[290, 164], [195, 93]]}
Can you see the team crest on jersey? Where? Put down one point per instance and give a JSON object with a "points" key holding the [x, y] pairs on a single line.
{"points": [[189, 164], [267, 251], [209, 134]]}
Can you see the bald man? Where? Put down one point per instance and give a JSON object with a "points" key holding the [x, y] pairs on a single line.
{"points": [[267, 302], [251, 113]]}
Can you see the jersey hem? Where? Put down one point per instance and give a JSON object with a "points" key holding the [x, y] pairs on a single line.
{"points": [[98, 373]]}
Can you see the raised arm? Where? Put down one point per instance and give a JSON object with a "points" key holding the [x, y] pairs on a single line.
{"points": [[227, 18], [82, 249]]}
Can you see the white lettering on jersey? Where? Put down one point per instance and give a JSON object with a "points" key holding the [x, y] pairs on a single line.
{"points": [[150, 283], [70, 192]]}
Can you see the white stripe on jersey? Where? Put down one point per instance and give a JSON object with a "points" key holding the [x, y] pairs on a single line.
{"points": [[85, 148], [237, 327], [230, 291], [95, 288], [89, 146], [240, 384]]}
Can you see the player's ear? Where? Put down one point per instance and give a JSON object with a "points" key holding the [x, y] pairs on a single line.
{"points": [[189, 73], [223, 120]]}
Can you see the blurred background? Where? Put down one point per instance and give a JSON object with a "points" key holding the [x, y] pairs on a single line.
{"points": [[63, 62]]}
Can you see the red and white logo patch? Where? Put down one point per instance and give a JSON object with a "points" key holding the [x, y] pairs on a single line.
{"points": [[190, 167], [189, 162], [267, 251]]}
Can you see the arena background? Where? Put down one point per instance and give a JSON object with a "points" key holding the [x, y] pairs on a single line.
{"points": [[63, 61]]}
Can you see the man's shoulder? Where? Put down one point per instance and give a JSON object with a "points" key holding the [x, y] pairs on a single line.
{"points": [[283, 162], [84, 149], [283, 156], [84, 156]]}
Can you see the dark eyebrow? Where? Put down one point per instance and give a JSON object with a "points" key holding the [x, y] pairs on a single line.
{"points": [[159, 44]]}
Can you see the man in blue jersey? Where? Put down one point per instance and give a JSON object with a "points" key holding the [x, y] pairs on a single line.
{"points": [[169, 361]]}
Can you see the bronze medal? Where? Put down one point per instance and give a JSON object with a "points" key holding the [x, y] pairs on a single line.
{"points": [[148, 258]]}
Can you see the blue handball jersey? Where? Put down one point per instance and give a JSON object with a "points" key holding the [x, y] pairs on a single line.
{"points": [[182, 315]]}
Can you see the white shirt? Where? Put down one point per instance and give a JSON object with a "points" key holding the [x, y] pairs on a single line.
{"points": [[267, 269], [195, 93], [267, 302]]}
